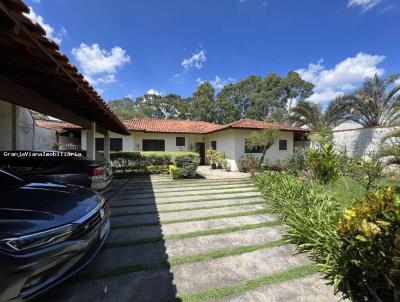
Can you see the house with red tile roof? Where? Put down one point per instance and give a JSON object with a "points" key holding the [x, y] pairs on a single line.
{"points": [[150, 134]]}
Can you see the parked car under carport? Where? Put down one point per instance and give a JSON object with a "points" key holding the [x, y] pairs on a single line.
{"points": [[48, 232], [58, 167]]}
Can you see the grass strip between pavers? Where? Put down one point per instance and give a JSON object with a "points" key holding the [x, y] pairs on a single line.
{"points": [[202, 218], [187, 201], [192, 183], [202, 193], [186, 189], [194, 234], [188, 181], [188, 209], [234, 251], [229, 290], [171, 186]]}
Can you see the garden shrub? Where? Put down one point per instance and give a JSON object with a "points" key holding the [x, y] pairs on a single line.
{"points": [[126, 163], [365, 172], [370, 251], [354, 248], [186, 162], [324, 163], [174, 172]]}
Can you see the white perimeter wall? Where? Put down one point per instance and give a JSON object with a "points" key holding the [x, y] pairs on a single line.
{"points": [[360, 142]]}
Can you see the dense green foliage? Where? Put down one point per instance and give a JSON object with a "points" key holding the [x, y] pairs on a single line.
{"points": [[253, 97], [323, 163], [125, 163], [354, 247], [370, 236]]}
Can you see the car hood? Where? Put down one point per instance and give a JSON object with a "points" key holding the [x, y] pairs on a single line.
{"points": [[38, 206]]}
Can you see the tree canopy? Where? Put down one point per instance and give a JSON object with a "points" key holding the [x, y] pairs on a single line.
{"points": [[254, 97]]}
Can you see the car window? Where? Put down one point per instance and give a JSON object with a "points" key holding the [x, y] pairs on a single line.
{"points": [[7, 180]]}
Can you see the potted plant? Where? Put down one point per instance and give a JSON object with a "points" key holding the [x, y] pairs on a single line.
{"points": [[212, 156], [243, 165], [220, 159]]}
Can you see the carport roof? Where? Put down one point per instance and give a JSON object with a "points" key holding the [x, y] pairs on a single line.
{"points": [[36, 75]]}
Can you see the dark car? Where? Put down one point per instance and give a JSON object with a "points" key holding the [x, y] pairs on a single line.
{"points": [[58, 167], [48, 232]]}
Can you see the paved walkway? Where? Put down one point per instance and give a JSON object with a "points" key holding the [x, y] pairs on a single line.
{"points": [[208, 173], [193, 240]]}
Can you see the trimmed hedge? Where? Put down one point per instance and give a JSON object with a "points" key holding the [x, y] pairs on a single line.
{"points": [[149, 162]]}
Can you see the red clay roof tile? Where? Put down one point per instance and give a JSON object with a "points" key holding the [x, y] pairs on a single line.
{"points": [[170, 126], [58, 126], [177, 126]]}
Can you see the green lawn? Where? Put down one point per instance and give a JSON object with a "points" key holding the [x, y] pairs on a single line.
{"points": [[347, 189]]}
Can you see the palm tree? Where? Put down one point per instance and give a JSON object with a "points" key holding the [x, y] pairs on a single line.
{"points": [[374, 104], [313, 116]]}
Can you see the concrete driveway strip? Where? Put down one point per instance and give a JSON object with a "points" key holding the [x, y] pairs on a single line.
{"points": [[173, 239]]}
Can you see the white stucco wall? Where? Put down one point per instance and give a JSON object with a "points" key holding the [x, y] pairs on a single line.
{"points": [[232, 142], [360, 142], [19, 131], [170, 140], [127, 140], [134, 142]]}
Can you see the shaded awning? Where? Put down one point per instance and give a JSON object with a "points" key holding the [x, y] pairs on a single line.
{"points": [[36, 75]]}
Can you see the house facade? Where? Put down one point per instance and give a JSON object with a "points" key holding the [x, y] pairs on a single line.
{"points": [[175, 135]]}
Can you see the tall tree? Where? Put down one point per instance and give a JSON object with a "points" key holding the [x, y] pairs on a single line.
{"points": [[313, 116], [149, 105], [295, 89], [225, 111], [202, 104], [265, 97], [240, 93], [376, 103], [124, 108]]}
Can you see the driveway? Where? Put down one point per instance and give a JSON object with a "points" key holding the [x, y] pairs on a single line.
{"points": [[193, 240]]}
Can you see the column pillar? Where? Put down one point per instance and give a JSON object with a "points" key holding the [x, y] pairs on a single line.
{"points": [[91, 142], [107, 146]]}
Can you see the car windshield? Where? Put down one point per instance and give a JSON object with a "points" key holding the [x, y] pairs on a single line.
{"points": [[8, 181]]}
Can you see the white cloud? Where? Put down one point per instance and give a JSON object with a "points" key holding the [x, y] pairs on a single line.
{"points": [[217, 82], [153, 91], [99, 65], [196, 61], [344, 77], [95, 60], [36, 1], [51, 33], [364, 4]]}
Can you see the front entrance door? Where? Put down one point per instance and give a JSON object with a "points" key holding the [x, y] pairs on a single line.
{"points": [[201, 149]]}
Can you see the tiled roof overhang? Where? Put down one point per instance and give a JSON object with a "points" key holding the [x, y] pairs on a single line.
{"points": [[34, 62], [254, 124]]}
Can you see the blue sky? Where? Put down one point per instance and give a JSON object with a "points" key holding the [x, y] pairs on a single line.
{"points": [[126, 48]]}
